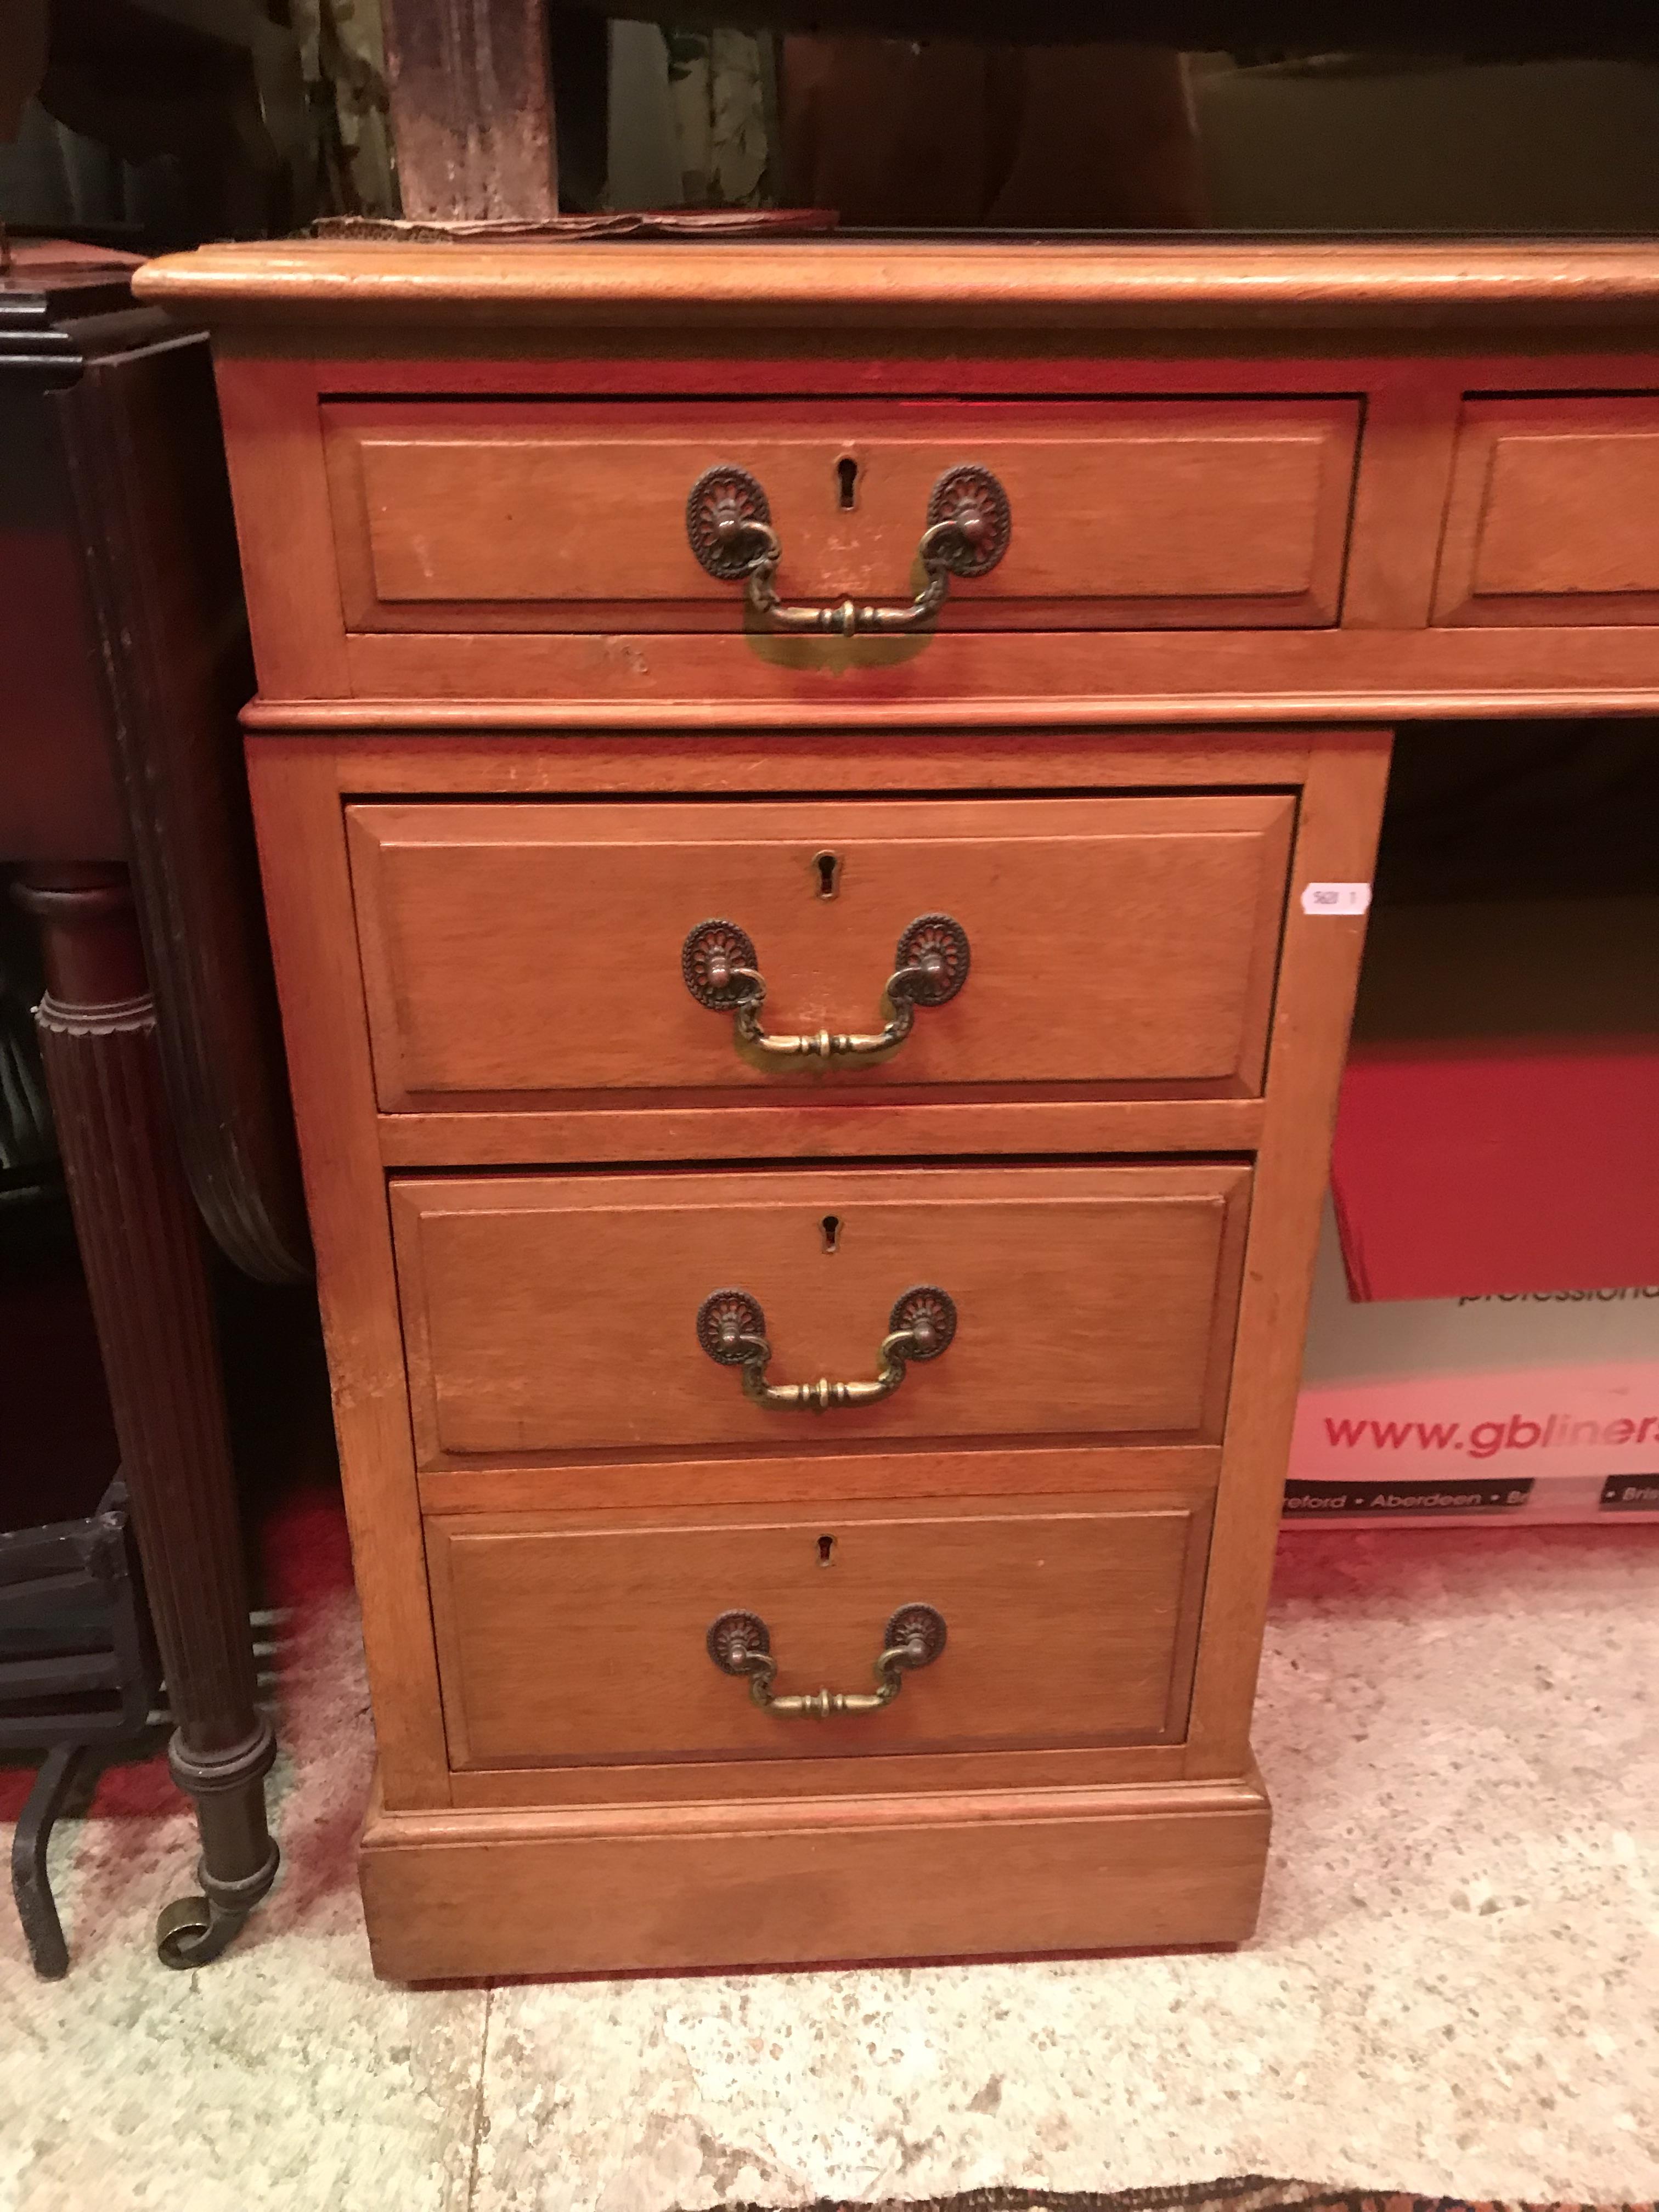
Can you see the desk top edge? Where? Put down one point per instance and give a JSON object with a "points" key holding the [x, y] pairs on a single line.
{"points": [[984, 280]]}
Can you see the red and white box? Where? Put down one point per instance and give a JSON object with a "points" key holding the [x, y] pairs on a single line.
{"points": [[1535, 1406], [1485, 1335], [1499, 1106]]}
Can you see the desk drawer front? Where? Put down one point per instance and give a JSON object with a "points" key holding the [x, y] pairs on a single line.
{"points": [[523, 950], [579, 1641], [560, 1313], [474, 514], [1551, 514]]}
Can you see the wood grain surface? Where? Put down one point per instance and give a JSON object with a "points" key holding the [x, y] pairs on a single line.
{"points": [[810, 1880], [1336, 842], [1550, 518], [512, 954], [308, 902], [558, 1313], [512, 746], [1167, 657], [475, 514], [471, 109], [1183, 282], [561, 1640]]}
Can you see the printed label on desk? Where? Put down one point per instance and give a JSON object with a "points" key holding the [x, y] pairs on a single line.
{"points": [[1336, 899], [1631, 1493], [1311, 1500]]}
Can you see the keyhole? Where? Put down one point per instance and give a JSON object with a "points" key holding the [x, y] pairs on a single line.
{"points": [[830, 1225], [826, 1551], [829, 867], [846, 475]]}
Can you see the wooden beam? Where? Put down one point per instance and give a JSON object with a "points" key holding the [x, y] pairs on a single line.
{"points": [[471, 110]]}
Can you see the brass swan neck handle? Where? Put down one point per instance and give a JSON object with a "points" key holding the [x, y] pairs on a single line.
{"points": [[732, 1330], [741, 1643], [728, 522], [721, 972]]}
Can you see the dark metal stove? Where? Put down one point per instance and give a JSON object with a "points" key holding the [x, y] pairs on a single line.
{"points": [[77, 1673]]}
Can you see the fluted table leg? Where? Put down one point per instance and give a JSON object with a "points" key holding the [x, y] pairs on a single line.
{"points": [[141, 1245]]}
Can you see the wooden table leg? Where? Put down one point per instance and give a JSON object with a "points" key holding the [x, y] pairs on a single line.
{"points": [[141, 1245]]}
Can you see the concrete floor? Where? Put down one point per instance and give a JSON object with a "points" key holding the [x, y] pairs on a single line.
{"points": [[1455, 1989]]}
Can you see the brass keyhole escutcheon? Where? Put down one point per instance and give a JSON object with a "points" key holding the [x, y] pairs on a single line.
{"points": [[827, 868]]}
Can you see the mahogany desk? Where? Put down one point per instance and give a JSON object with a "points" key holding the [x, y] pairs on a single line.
{"points": [[817, 802]]}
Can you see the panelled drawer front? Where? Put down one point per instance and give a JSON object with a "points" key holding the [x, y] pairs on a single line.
{"points": [[536, 949], [585, 1640], [477, 514], [558, 1315], [1550, 516]]}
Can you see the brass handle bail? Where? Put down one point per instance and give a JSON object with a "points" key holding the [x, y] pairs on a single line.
{"points": [[720, 968], [732, 1330], [728, 522], [741, 1643]]}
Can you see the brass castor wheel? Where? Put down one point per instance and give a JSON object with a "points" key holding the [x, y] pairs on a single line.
{"points": [[191, 1932], [194, 1931]]}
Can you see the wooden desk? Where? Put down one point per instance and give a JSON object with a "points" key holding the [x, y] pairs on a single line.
{"points": [[563, 742], [123, 656]]}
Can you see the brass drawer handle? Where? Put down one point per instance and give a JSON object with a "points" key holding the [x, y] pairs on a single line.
{"points": [[728, 519], [741, 1643], [719, 963], [732, 1330]]}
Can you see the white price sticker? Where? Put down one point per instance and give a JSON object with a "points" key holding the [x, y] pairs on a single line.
{"points": [[1336, 899]]}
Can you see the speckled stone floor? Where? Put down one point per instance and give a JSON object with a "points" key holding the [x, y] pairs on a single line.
{"points": [[1455, 1988]]}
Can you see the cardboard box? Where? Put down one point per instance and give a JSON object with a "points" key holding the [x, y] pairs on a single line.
{"points": [[1534, 1406], [1496, 1130]]}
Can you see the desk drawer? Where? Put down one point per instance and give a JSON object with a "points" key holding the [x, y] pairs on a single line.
{"points": [[518, 952], [1551, 517], [588, 1640], [568, 1314], [468, 515]]}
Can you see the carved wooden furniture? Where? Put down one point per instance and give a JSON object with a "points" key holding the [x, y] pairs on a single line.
{"points": [[817, 804], [123, 655]]}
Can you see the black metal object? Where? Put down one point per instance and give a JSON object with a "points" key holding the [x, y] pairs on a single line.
{"points": [[77, 1671]]}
